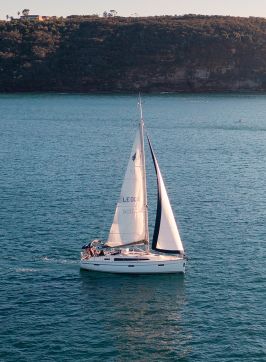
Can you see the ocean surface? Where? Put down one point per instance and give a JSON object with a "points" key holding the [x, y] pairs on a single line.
{"points": [[62, 161]]}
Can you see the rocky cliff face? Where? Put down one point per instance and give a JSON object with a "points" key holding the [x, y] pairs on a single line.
{"points": [[156, 54]]}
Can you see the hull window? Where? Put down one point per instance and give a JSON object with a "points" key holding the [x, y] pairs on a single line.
{"points": [[130, 259]]}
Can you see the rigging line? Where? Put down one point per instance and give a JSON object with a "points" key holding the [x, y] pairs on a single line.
{"points": [[140, 107]]}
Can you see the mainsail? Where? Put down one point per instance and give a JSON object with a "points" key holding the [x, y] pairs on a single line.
{"points": [[166, 237], [129, 224]]}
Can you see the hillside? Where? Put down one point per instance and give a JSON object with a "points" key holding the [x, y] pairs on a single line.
{"points": [[91, 54]]}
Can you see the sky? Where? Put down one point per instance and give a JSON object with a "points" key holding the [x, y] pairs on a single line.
{"points": [[139, 7]]}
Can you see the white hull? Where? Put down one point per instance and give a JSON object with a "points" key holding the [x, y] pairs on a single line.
{"points": [[134, 263]]}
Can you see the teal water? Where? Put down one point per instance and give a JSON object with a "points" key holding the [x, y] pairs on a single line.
{"points": [[62, 160]]}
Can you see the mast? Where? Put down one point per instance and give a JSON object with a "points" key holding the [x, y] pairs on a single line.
{"points": [[141, 126]]}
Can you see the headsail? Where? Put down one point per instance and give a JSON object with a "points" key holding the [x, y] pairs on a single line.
{"points": [[166, 237], [129, 224]]}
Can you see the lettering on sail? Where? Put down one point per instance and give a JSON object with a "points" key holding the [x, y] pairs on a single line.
{"points": [[130, 211], [128, 199]]}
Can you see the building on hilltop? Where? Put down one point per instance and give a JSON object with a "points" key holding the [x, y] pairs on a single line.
{"points": [[37, 17]]}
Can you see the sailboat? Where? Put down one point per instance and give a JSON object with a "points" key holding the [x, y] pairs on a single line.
{"points": [[127, 249]]}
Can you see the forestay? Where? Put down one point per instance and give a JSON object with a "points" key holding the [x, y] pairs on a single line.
{"points": [[128, 226], [166, 237]]}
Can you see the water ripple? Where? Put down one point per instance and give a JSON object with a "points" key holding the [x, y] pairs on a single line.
{"points": [[62, 159]]}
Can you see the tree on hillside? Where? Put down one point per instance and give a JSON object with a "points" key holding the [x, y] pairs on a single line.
{"points": [[25, 12], [111, 14]]}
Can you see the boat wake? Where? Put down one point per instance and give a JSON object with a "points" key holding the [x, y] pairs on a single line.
{"points": [[26, 270], [59, 261]]}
